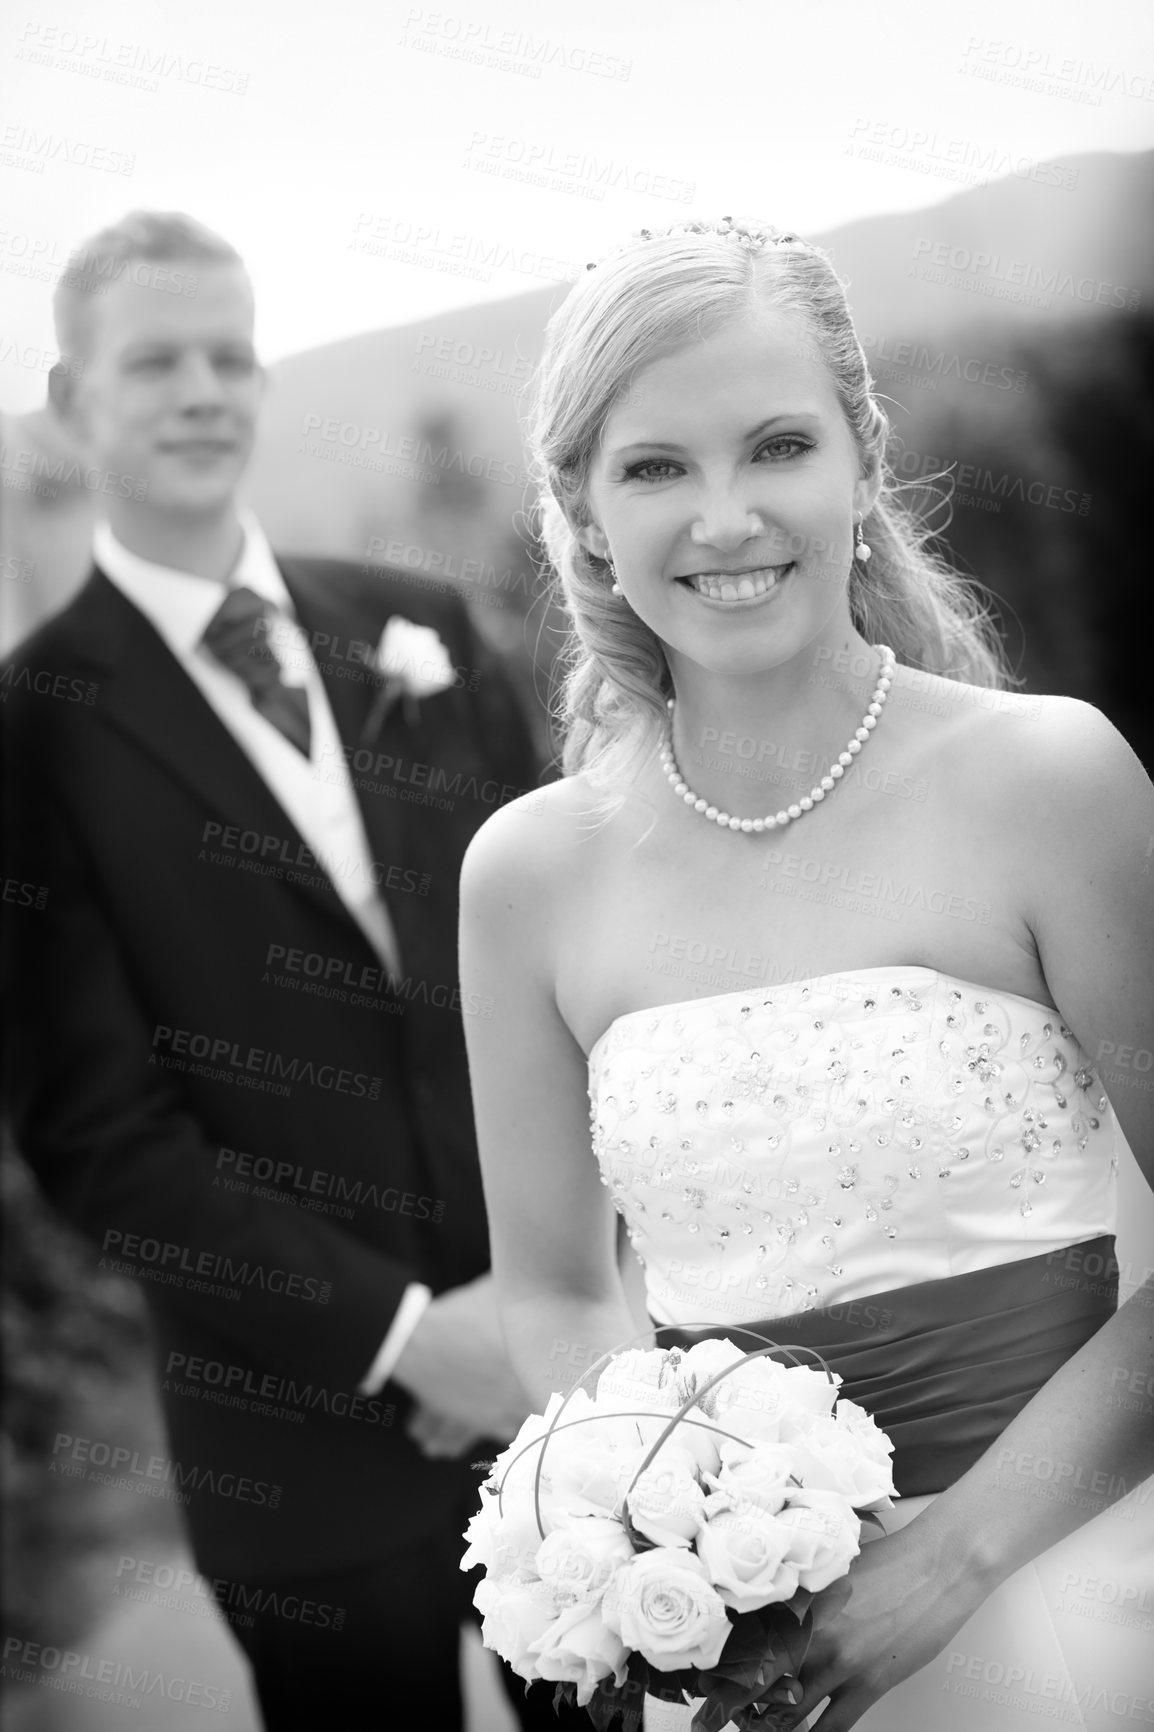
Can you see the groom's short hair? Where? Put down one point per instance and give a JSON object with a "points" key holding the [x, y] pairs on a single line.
{"points": [[155, 237]]}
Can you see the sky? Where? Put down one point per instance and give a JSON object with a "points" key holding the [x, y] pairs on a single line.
{"points": [[378, 162]]}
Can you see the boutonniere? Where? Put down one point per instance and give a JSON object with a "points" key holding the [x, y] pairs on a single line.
{"points": [[411, 663]]}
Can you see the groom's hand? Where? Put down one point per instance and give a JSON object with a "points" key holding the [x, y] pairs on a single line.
{"points": [[455, 1365], [438, 1437]]}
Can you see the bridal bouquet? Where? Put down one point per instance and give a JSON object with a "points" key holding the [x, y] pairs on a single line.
{"points": [[666, 1534]]}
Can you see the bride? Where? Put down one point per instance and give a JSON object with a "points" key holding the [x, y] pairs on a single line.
{"points": [[826, 927]]}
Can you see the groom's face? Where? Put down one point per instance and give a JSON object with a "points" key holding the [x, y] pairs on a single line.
{"points": [[170, 386]]}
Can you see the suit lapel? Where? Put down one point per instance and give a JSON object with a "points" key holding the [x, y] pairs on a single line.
{"points": [[402, 832], [335, 626], [146, 694], [338, 633]]}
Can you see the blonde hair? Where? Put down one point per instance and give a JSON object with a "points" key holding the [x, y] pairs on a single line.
{"points": [[152, 236], [655, 295]]}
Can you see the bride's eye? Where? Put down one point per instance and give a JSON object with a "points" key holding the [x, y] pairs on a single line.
{"points": [[644, 471], [785, 445]]}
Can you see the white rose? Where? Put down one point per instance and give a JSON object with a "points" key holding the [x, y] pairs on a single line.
{"points": [[664, 1605], [667, 1504], [747, 1556], [824, 1536], [751, 1479], [678, 1381], [750, 1404], [645, 1415], [503, 1535], [589, 1470], [654, 1367], [515, 1469], [637, 1380], [505, 1532], [829, 1457], [579, 1647], [876, 1447], [698, 1438], [699, 1431], [808, 1387], [482, 1547], [415, 658], [514, 1613], [762, 1395], [703, 1361], [577, 1560], [640, 1384], [516, 1457]]}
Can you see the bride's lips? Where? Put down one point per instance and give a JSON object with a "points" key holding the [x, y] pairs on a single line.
{"points": [[737, 589]]}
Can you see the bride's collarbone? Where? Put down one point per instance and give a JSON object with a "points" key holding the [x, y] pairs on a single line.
{"points": [[915, 860], [690, 862], [661, 957], [725, 912]]}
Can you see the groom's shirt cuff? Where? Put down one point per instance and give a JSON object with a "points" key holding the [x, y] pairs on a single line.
{"points": [[405, 1319]]}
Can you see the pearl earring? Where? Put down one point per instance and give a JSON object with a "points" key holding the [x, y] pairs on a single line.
{"points": [[614, 587], [861, 549]]}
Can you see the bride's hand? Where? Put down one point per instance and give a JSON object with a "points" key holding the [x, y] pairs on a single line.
{"points": [[895, 1610]]}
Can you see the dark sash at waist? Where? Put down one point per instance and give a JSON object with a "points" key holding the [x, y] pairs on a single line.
{"points": [[943, 1366]]}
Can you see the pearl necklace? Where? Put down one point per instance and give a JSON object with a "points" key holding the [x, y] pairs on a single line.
{"points": [[775, 820]]}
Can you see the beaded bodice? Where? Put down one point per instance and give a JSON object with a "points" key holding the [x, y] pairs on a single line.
{"points": [[799, 1145]]}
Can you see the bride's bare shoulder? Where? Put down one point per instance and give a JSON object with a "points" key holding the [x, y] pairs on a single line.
{"points": [[1015, 743], [943, 706], [536, 845]]}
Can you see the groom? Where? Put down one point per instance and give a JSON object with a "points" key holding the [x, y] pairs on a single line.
{"points": [[236, 1053]]}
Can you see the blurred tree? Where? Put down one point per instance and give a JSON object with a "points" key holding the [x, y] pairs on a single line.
{"points": [[1048, 506], [473, 528], [75, 1366]]}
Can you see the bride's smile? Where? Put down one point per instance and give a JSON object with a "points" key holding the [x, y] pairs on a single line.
{"points": [[740, 586]]}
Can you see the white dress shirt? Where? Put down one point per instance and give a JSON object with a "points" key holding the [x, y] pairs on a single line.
{"points": [[179, 605]]}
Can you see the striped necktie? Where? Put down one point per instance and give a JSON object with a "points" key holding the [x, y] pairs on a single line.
{"points": [[237, 635]]}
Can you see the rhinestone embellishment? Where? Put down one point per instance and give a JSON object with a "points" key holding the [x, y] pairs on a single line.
{"points": [[833, 1125]]}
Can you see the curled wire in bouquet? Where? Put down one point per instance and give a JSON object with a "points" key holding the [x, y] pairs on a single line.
{"points": [[665, 1536]]}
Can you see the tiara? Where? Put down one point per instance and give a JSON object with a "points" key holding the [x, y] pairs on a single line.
{"points": [[752, 236]]}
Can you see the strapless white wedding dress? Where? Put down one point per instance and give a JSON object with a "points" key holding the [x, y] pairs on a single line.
{"points": [[815, 1143]]}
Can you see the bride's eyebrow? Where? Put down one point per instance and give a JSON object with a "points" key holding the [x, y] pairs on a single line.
{"points": [[754, 433]]}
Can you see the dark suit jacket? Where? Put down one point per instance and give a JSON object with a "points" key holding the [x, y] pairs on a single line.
{"points": [[212, 1074]]}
